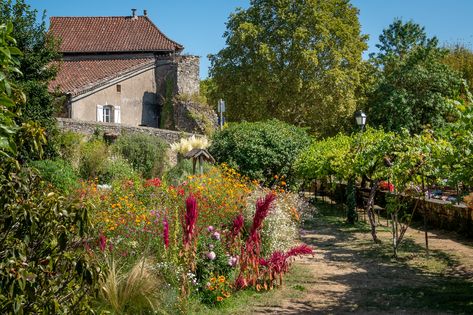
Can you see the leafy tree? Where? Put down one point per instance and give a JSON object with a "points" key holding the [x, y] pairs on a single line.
{"points": [[416, 90], [460, 58], [399, 39], [297, 61], [39, 50], [260, 150]]}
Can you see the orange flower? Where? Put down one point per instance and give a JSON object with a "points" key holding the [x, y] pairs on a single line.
{"points": [[213, 279], [226, 294], [211, 288], [283, 183], [276, 176], [219, 298], [221, 279]]}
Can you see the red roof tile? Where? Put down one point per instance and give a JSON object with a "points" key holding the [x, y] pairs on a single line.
{"points": [[76, 76], [110, 34]]}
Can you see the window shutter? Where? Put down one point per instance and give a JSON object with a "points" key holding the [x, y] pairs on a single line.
{"points": [[116, 114], [100, 113]]}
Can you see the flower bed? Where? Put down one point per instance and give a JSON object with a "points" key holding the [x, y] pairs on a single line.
{"points": [[206, 238]]}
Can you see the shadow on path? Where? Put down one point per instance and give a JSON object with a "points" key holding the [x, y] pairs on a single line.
{"points": [[350, 274]]}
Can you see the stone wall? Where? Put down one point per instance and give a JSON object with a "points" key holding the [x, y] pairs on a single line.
{"points": [[188, 79], [194, 117], [88, 128]]}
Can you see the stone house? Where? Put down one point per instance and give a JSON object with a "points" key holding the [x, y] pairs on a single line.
{"points": [[120, 69]]}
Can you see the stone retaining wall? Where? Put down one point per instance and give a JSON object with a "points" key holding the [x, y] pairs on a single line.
{"points": [[88, 128]]}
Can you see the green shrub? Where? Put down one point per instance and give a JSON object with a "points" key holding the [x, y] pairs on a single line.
{"points": [[117, 169], [93, 159], [58, 172], [68, 146], [43, 267], [146, 153], [260, 150]]}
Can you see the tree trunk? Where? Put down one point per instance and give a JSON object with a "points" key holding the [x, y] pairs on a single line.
{"points": [[370, 212]]}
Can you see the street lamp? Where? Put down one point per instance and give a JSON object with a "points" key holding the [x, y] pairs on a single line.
{"points": [[360, 118]]}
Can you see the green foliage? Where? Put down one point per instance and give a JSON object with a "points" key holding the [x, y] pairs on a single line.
{"points": [[260, 150], [58, 172], [415, 87], [42, 265], [460, 58], [118, 169], [38, 52], [68, 145], [9, 94], [146, 153], [93, 160], [208, 90], [324, 157], [295, 61]]}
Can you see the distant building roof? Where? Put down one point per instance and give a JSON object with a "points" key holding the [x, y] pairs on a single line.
{"points": [[110, 34], [77, 76]]}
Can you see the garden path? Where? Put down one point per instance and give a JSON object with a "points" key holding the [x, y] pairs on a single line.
{"points": [[350, 274]]}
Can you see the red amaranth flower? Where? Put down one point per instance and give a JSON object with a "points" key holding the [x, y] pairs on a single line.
{"points": [[237, 225], [190, 218], [278, 262], [102, 242], [166, 232], [262, 209], [299, 250]]}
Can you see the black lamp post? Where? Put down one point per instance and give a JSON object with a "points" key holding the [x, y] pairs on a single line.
{"points": [[352, 214], [360, 118]]}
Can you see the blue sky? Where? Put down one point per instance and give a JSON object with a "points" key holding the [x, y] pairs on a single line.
{"points": [[200, 24]]}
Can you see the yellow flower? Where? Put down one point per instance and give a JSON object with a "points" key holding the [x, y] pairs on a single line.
{"points": [[221, 279], [226, 294], [213, 279]]}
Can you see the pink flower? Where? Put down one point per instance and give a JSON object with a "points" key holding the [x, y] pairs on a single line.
{"points": [[232, 261], [210, 228], [216, 236], [211, 255]]}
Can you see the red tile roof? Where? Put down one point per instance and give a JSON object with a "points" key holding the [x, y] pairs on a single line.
{"points": [[76, 76], [110, 34]]}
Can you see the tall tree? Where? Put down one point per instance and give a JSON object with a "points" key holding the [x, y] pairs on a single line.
{"points": [[460, 58], [298, 61], [38, 52], [415, 90]]}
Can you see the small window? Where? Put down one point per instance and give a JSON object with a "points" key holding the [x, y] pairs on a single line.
{"points": [[108, 113], [119, 88]]}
